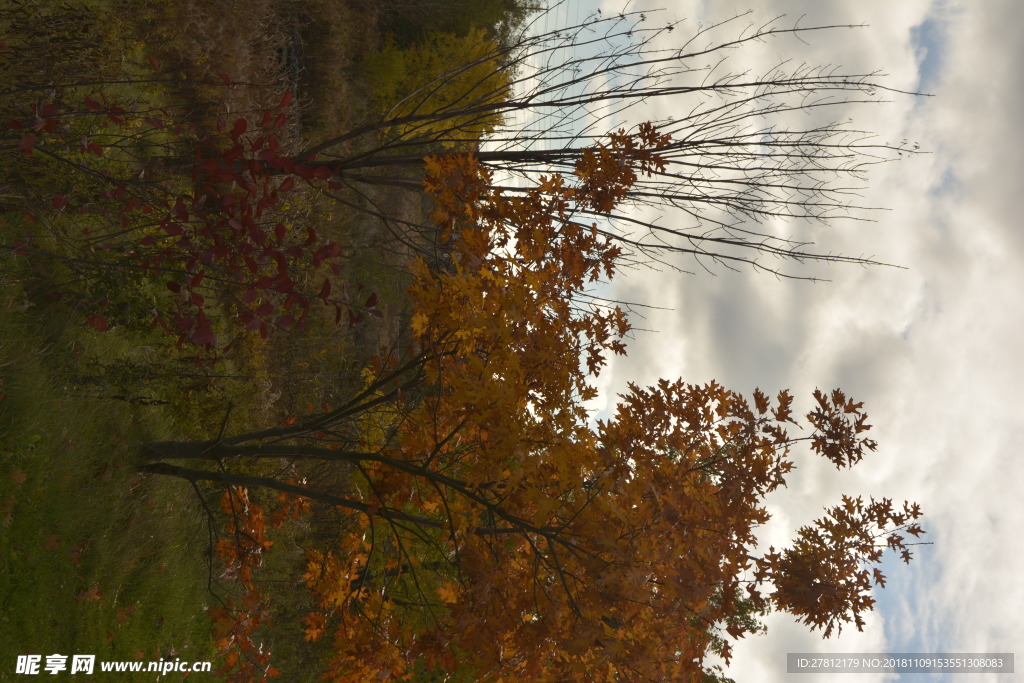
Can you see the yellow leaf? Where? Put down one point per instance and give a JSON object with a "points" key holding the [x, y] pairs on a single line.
{"points": [[419, 323]]}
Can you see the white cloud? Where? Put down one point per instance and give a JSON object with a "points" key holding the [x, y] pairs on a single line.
{"points": [[933, 350]]}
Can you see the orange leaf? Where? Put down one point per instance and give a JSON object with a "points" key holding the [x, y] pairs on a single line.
{"points": [[448, 592]]}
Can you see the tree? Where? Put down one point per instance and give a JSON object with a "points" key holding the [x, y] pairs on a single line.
{"points": [[406, 81], [167, 219], [474, 483], [734, 163], [494, 526]]}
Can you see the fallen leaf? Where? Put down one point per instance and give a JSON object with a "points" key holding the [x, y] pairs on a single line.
{"points": [[78, 550], [8, 510], [90, 595]]}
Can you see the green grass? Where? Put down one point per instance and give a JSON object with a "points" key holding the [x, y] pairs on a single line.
{"points": [[94, 558]]}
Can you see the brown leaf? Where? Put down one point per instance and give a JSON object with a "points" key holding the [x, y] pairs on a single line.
{"points": [[8, 510], [90, 595], [78, 550]]}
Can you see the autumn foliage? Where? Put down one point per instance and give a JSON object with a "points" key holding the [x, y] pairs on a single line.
{"points": [[497, 530], [238, 621], [187, 219]]}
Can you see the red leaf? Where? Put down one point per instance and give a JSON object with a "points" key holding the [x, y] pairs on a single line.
{"points": [[249, 295], [28, 141], [283, 283], [153, 63], [250, 321], [279, 121], [180, 212], [325, 291], [285, 99], [97, 321], [241, 125], [202, 336], [174, 287], [265, 309], [371, 300], [288, 184], [236, 151], [60, 201], [283, 163], [92, 104]]}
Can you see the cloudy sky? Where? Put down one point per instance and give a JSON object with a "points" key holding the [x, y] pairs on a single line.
{"points": [[933, 349]]}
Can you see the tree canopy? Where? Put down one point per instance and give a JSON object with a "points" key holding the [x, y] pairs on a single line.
{"points": [[496, 527]]}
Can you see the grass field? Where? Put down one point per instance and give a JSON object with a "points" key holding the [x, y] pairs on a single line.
{"points": [[94, 557]]}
